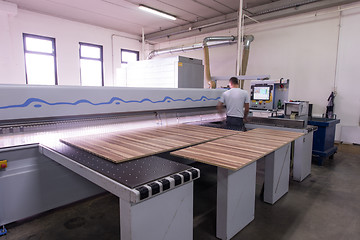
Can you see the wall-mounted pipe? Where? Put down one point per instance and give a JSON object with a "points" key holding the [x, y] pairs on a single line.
{"points": [[247, 40], [184, 48], [174, 50]]}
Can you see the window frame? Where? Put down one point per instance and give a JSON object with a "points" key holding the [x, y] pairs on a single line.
{"points": [[101, 59], [53, 40], [129, 51]]}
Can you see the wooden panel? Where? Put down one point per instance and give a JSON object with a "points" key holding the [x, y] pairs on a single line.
{"points": [[123, 146], [236, 151], [281, 133]]}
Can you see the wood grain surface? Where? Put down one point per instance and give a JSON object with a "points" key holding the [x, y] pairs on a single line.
{"points": [[236, 151], [123, 146]]}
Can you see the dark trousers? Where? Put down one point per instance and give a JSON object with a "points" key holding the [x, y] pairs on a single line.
{"points": [[235, 123]]}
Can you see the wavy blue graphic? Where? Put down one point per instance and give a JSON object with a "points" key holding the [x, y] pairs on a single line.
{"points": [[115, 100]]}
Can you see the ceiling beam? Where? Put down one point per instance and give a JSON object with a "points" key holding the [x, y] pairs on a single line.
{"points": [[275, 6], [230, 20], [193, 27]]}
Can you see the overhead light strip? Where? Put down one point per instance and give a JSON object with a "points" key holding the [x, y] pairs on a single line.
{"points": [[157, 12]]}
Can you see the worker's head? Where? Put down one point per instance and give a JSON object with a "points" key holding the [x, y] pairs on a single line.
{"points": [[233, 82]]}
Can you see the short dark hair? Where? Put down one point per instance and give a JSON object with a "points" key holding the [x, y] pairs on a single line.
{"points": [[234, 80]]}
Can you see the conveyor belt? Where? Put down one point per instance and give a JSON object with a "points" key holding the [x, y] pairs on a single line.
{"points": [[131, 173]]}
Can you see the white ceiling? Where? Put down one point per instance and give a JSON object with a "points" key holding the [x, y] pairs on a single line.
{"points": [[124, 15]]}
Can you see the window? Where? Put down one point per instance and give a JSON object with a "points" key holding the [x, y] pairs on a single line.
{"points": [[91, 65], [129, 56], [40, 60]]}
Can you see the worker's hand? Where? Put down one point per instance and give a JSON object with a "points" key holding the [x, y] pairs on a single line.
{"points": [[245, 119], [220, 107]]}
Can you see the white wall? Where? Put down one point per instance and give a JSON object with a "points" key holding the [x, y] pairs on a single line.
{"points": [[303, 51], [68, 34], [310, 49], [348, 70]]}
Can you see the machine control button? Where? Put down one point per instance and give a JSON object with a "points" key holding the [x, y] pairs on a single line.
{"points": [[144, 192], [155, 188], [165, 183], [3, 164], [186, 176], [177, 179]]}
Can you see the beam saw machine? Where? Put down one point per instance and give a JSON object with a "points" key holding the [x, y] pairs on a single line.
{"points": [[40, 172], [60, 144]]}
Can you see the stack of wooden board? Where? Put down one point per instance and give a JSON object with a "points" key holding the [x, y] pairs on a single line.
{"points": [[236, 151], [123, 146]]}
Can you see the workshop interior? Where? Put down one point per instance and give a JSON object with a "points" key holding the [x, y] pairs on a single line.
{"points": [[116, 101]]}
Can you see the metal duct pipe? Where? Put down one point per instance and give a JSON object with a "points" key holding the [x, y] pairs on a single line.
{"points": [[212, 84], [218, 39], [188, 48], [173, 50], [247, 40]]}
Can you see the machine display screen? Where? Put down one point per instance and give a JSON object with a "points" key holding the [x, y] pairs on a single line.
{"points": [[262, 93]]}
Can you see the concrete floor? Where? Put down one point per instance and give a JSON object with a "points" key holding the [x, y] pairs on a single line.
{"points": [[326, 205]]}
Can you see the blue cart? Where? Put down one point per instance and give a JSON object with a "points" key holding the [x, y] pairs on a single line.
{"points": [[323, 141]]}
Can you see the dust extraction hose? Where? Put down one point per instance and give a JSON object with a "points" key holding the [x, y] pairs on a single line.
{"points": [[247, 40]]}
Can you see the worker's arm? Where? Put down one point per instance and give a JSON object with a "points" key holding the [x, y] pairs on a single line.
{"points": [[246, 112], [220, 107]]}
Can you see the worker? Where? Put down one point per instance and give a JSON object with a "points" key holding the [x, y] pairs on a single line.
{"points": [[237, 102]]}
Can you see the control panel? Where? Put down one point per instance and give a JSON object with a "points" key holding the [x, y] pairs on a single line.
{"points": [[261, 95]]}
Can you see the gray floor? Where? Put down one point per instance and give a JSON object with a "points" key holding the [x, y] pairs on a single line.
{"points": [[326, 205]]}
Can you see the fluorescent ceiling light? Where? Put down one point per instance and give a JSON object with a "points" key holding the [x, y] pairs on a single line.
{"points": [[156, 12]]}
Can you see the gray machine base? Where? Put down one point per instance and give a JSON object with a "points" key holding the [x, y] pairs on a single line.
{"points": [[277, 169], [235, 200], [168, 216], [33, 183]]}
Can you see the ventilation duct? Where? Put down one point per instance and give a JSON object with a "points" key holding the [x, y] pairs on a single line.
{"points": [[212, 84], [247, 40]]}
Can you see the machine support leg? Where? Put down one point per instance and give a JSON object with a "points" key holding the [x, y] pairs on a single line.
{"points": [[302, 157], [235, 200], [168, 216], [277, 170]]}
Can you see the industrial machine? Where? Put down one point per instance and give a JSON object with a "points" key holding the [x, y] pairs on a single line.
{"points": [[268, 95], [171, 72], [297, 110], [39, 173], [324, 138]]}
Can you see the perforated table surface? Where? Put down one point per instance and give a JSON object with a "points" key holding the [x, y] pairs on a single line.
{"points": [[131, 173]]}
